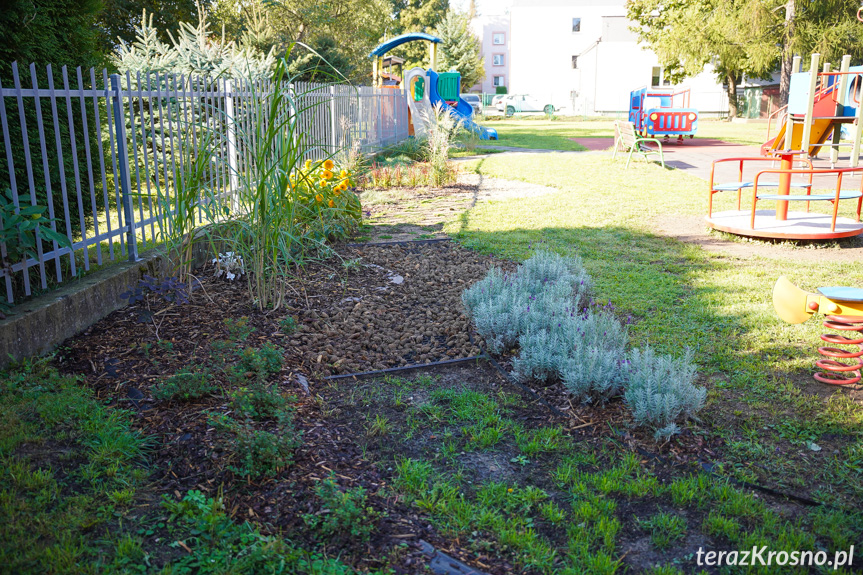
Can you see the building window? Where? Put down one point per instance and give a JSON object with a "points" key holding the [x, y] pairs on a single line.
{"points": [[497, 81], [497, 60], [498, 38], [574, 62], [576, 24], [658, 78]]}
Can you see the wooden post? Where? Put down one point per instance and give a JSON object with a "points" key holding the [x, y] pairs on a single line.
{"points": [[858, 132], [840, 103], [810, 104], [789, 121], [432, 55]]}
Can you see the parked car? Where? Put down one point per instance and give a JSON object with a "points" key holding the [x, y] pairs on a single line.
{"points": [[496, 100], [475, 102], [523, 103]]}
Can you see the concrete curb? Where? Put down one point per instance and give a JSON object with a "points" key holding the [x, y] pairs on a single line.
{"points": [[40, 324]]}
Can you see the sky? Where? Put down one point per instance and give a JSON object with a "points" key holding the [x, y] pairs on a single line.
{"points": [[483, 7]]}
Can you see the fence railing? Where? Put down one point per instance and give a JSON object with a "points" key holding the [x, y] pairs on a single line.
{"points": [[107, 153]]}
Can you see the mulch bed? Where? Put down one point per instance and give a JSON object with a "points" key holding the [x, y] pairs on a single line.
{"points": [[372, 307], [369, 308]]}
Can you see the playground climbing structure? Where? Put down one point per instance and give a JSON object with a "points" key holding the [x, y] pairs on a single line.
{"points": [[822, 106]]}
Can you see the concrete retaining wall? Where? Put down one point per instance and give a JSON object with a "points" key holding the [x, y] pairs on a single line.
{"points": [[39, 325]]}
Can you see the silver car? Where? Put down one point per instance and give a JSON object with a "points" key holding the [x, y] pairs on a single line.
{"points": [[474, 101]]}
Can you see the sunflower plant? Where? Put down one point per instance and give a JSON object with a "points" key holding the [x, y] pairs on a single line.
{"points": [[330, 207]]}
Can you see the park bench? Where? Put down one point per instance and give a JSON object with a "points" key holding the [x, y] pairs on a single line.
{"points": [[761, 190], [626, 137]]}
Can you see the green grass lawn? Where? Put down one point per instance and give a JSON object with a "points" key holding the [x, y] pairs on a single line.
{"points": [[558, 134], [756, 367], [546, 134], [555, 504]]}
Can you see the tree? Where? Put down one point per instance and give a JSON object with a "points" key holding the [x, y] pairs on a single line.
{"points": [[417, 16], [327, 63], [49, 32], [689, 34], [460, 49], [346, 30], [119, 18], [743, 37], [193, 51], [828, 27]]}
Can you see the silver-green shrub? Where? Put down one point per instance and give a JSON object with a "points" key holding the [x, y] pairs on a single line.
{"points": [[542, 308], [661, 389], [538, 294]]}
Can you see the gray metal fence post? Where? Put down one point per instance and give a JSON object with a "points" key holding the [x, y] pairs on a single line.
{"points": [[333, 138], [123, 169], [233, 165]]}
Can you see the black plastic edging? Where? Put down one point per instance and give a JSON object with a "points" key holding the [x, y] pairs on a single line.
{"points": [[512, 380], [737, 482], [398, 243], [404, 368]]}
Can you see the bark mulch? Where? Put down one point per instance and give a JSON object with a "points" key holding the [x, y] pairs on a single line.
{"points": [[371, 307]]}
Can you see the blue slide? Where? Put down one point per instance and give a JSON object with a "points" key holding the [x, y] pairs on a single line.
{"points": [[463, 111]]}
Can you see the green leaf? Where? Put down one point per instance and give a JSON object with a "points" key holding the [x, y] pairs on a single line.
{"points": [[48, 235]]}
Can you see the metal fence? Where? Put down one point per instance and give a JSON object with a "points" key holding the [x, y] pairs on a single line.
{"points": [[106, 153]]}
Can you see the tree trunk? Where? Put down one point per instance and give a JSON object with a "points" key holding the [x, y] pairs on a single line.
{"points": [[731, 91], [787, 53]]}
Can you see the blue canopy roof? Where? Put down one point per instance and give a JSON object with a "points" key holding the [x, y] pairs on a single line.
{"points": [[382, 49]]}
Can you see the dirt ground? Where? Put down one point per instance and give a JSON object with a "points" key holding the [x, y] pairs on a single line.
{"points": [[408, 214], [693, 229]]}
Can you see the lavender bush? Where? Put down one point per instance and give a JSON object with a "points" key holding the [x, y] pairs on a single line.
{"points": [[543, 308]]}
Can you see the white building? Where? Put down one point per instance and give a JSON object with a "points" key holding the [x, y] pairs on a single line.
{"points": [[581, 56], [493, 33]]}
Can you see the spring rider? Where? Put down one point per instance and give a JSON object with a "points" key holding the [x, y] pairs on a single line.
{"points": [[845, 308]]}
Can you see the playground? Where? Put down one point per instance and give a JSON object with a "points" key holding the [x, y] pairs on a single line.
{"points": [[374, 422]]}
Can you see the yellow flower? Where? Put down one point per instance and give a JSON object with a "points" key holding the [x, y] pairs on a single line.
{"points": [[320, 198], [343, 186], [327, 175], [509, 490], [308, 164], [322, 183], [337, 191], [343, 174], [328, 164], [332, 204]]}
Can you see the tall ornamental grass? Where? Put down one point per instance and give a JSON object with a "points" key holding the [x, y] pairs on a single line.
{"points": [[284, 207]]}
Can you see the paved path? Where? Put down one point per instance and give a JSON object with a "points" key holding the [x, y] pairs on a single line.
{"points": [[696, 157]]}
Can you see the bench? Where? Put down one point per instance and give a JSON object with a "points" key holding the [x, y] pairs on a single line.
{"points": [[626, 136]]}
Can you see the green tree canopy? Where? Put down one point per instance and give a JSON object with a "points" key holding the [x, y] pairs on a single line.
{"points": [[343, 32], [416, 16], [119, 19], [733, 35], [460, 49], [49, 32], [742, 37]]}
